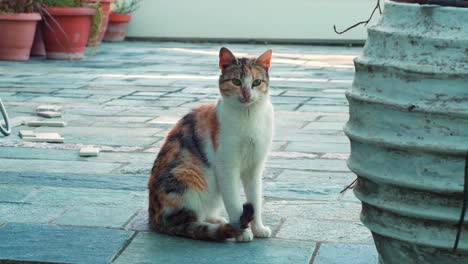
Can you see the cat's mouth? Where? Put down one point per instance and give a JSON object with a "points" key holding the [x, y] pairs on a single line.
{"points": [[246, 101]]}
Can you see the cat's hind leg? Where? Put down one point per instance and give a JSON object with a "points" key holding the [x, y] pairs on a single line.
{"points": [[216, 220], [184, 222]]}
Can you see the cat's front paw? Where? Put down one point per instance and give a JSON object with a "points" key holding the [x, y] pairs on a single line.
{"points": [[245, 236], [262, 231]]}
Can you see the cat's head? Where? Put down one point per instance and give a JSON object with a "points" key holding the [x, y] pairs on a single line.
{"points": [[243, 81]]}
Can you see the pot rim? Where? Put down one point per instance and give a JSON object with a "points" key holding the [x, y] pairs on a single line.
{"points": [[105, 1], [71, 11], [21, 16], [119, 17]]}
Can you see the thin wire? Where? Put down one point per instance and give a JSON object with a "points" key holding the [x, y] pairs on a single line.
{"points": [[377, 7], [7, 130], [465, 201], [350, 186]]}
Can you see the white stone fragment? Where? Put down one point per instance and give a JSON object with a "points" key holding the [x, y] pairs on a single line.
{"points": [[49, 114], [89, 152], [52, 108], [26, 133], [39, 123], [45, 137]]}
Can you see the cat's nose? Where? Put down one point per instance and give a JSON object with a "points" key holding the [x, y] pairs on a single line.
{"points": [[246, 94]]}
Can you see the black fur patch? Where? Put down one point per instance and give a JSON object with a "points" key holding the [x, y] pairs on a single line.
{"points": [[175, 137], [166, 182], [180, 217], [191, 141], [247, 215]]}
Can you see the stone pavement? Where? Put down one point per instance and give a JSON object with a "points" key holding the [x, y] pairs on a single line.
{"points": [[58, 207]]}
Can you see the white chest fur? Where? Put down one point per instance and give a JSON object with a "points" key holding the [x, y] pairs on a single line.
{"points": [[246, 133]]}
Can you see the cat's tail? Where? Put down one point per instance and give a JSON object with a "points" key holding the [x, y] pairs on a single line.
{"points": [[183, 222]]}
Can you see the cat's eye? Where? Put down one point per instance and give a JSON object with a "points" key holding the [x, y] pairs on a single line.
{"points": [[257, 82], [236, 82]]}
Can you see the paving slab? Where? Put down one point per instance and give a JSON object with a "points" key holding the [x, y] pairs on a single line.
{"points": [[352, 232], [157, 248], [111, 136], [11, 193], [346, 253], [55, 196], [312, 209], [29, 213], [297, 184], [308, 164], [34, 153], [18, 184], [318, 146], [45, 243], [97, 216], [57, 166]]}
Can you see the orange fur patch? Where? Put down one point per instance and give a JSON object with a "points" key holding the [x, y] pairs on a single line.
{"points": [[157, 201], [190, 172], [227, 90], [259, 75]]}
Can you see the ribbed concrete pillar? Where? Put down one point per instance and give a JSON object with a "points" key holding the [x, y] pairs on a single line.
{"points": [[409, 132]]}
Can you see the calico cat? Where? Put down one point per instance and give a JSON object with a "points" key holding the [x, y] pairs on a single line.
{"points": [[210, 152]]}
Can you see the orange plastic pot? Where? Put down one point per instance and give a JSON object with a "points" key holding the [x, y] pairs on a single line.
{"points": [[106, 9], [16, 35], [66, 32], [117, 28]]}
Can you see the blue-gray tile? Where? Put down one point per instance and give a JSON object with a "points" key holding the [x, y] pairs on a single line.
{"points": [[346, 253], [334, 231], [56, 166], [29, 213], [43, 243], [88, 197], [34, 153], [97, 216], [40, 178], [296, 184], [10, 193], [157, 248]]}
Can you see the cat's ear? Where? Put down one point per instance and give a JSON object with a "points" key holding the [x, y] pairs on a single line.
{"points": [[226, 58], [264, 60]]}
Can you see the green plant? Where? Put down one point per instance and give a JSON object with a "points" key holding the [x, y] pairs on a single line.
{"points": [[126, 6], [15, 6], [62, 3], [95, 27]]}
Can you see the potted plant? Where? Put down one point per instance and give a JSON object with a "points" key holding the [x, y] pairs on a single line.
{"points": [[17, 29], [66, 27], [119, 18], [105, 9]]}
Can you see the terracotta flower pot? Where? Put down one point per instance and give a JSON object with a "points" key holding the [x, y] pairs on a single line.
{"points": [[16, 35], [117, 28], [106, 9], [66, 33]]}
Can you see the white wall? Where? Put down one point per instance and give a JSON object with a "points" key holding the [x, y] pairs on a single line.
{"points": [[303, 20]]}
